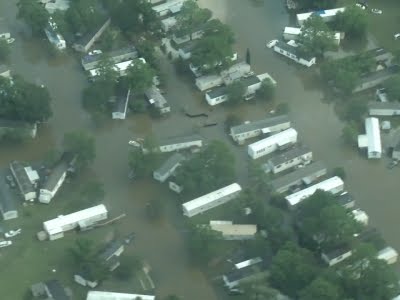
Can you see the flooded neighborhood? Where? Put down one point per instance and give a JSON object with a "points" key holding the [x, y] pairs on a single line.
{"points": [[313, 112]]}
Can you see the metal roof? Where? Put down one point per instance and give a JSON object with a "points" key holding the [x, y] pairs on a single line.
{"points": [[217, 92], [99, 295], [373, 135], [170, 163], [280, 138], [181, 139], [260, 124], [289, 154], [22, 178]]}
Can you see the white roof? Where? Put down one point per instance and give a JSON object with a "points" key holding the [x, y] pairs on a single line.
{"points": [[248, 262], [122, 66], [172, 5], [235, 229], [362, 141], [280, 139], [220, 222], [205, 199], [32, 174], [321, 13], [373, 134], [61, 221], [387, 254], [98, 295], [325, 185], [292, 30]]}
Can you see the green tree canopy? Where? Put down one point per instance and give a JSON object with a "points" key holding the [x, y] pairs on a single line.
{"points": [[191, 18], [320, 288], [33, 14], [92, 192], [4, 51], [208, 170], [316, 4], [143, 163], [292, 269], [235, 92], [267, 90], [139, 76], [353, 21], [82, 144], [257, 289], [392, 86], [203, 243], [316, 37], [24, 101], [83, 16]]}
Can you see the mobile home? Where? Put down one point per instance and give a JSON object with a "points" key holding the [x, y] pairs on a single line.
{"points": [[372, 139]]}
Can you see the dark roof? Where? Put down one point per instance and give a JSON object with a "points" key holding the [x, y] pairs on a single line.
{"points": [[22, 177], [56, 290], [259, 124], [181, 139], [130, 50], [249, 81], [384, 105], [55, 175], [345, 198], [110, 250], [7, 201], [170, 163], [217, 92], [293, 50], [242, 273], [297, 175], [332, 254], [288, 155], [381, 74]]}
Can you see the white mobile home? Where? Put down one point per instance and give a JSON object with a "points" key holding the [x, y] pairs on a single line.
{"points": [[289, 159], [53, 182], [26, 179], [217, 95], [232, 232], [168, 167], [274, 142], [235, 72], [211, 200], [241, 133], [292, 52], [168, 23], [384, 108], [168, 7], [388, 254], [82, 219], [300, 177], [181, 142], [155, 97], [121, 106], [91, 61], [332, 185], [293, 33], [372, 139], [209, 81], [100, 295], [327, 15]]}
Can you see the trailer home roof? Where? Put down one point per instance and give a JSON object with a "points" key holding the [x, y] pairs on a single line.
{"points": [[289, 155], [99, 295], [373, 134], [263, 125], [325, 185], [210, 197], [235, 229], [279, 139], [170, 163]]}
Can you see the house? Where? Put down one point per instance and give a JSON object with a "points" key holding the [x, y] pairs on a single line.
{"points": [[306, 175], [87, 41], [83, 219], [360, 216], [8, 207], [168, 7], [232, 231], [375, 78], [241, 133], [90, 61], [346, 200], [121, 105], [293, 33], [208, 81], [300, 155], [211, 200], [54, 37], [50, 290], [168, 167], [173, 186], [336, 256], [55, 179], [155, 97], [217, 95], [181, 142], [372, 139], [196, 34], [272, 143], [292, 52], [99, 295], [18, 127], [234, 278], [119, 67], [26, 179], [388, 254], [327, 15], [235, 72], [248, 262], [185, 51], [55, 5], [332, 185], [384, 108], [5, 71]]}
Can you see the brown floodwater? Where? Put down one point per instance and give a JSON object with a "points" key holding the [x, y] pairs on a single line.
{"points": [[374, 187]]}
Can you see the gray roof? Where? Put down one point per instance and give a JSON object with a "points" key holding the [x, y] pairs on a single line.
{"points": [[332, 254], [7, 201], [121, 101], [299, 174], [110, 250], [380, 54], [22, 178], [259, 124], [381, 74], [180, 139], [293, 50], [344, 199], [170, 163], [249, 81], [130, 50], [56, 290], [55, 176], [217, 92], [384, 105], [243, 273], [288, 155]]}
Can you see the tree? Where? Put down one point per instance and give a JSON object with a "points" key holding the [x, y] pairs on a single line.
{"points": [[320, 288], [92, 192], [232, 120], [267, 90], [235, 92], [24, 101], [353, 21], [292, 269], [129, 265], [392, 86], [208, 170], [257, 289], [203, 243], [316, 38], [4, 51], [349, 134], [139, 76], [144, 163], [83, 16], [34, 14], [355, 111], [215, 49], [81, 144], [191, 18]]}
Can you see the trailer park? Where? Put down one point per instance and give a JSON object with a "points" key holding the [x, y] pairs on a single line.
{"points": [[237, 228]]}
